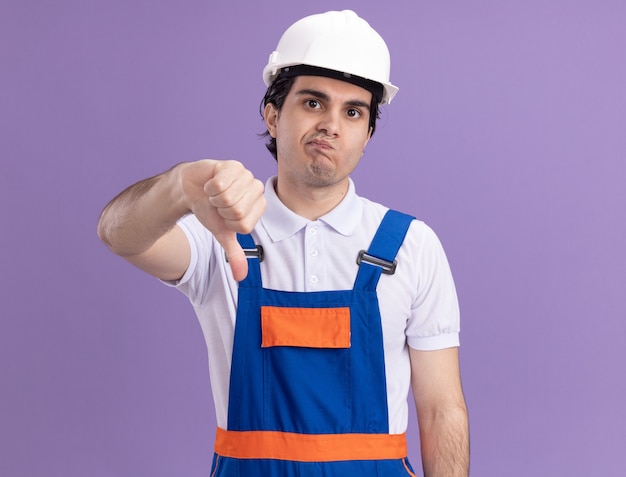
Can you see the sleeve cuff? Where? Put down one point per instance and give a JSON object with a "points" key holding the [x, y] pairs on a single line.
{"points": [[193, 259], [433, 343]]}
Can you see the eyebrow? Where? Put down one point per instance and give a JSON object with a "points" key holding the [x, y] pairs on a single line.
{"points": [[324, 97]]}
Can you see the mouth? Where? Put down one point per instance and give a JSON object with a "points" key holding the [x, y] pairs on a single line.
{"points": [[320, 144]]}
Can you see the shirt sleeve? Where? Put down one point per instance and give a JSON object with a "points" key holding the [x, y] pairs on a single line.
{"points": [[435, 317], [193, 283]]}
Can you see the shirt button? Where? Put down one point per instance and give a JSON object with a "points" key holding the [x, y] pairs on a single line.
{"points": [[312, 231], [313, 279], [313, 253]]}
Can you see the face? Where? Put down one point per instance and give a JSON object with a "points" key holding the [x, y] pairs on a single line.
{"points": [[321, 131]]}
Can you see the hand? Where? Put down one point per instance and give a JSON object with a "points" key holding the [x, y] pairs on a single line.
{"points": [[227, 199]]}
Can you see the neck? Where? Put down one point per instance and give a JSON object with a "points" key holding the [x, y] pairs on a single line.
{"points": [[311, 202]]}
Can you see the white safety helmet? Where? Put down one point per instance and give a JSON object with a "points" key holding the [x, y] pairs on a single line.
{"points": [[337, 44]]}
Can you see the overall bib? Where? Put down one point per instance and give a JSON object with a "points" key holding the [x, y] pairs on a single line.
{"points": [[307, 386]]}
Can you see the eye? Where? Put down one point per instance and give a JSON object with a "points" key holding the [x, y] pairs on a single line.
{"points": [[313, 103], [353, 113]]}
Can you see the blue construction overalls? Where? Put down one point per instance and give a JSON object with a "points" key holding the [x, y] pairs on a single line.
{"points": [[307, 387]]}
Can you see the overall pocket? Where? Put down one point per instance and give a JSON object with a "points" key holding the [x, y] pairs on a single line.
{"points": [[307, 372]]}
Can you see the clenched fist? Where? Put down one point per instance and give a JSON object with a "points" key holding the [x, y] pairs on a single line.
{"points": [[227, 199]]}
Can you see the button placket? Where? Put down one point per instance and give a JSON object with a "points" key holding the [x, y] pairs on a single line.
{"points": [[312, 261]]}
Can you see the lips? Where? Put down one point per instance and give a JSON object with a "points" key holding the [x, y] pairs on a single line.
{"points": [[320, 143]]}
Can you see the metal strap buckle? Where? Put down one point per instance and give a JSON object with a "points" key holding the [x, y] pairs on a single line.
{"points": [[256, 252], [389, 268]]}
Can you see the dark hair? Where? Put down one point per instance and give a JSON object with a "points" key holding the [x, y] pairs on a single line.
{"points": [[276, 94]]}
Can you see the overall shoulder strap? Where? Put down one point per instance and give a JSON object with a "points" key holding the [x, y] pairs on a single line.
{"points": [[254, 254], [381, 255]]}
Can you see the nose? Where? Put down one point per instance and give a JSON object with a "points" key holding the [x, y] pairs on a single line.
{"points": [[329, 122]]}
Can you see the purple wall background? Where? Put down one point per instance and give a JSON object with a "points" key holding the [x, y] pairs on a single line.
{"points": [[507, 136]]}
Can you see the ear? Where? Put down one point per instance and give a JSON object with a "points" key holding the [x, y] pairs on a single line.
{"points": [[270, 115]]}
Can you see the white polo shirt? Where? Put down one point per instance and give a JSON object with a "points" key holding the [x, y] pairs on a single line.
{"points": [[418, 304]]}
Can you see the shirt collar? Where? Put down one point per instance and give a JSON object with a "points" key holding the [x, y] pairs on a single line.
{"points": [[280, 222]]}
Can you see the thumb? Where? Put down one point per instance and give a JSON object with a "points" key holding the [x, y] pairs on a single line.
{"points": [[234, 254]]}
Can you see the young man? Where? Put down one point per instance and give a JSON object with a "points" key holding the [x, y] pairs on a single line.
{"points": [[336, 307]]}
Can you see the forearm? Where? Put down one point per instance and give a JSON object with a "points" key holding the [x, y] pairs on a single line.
{"points": [[142, 213], [445, 443]]}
